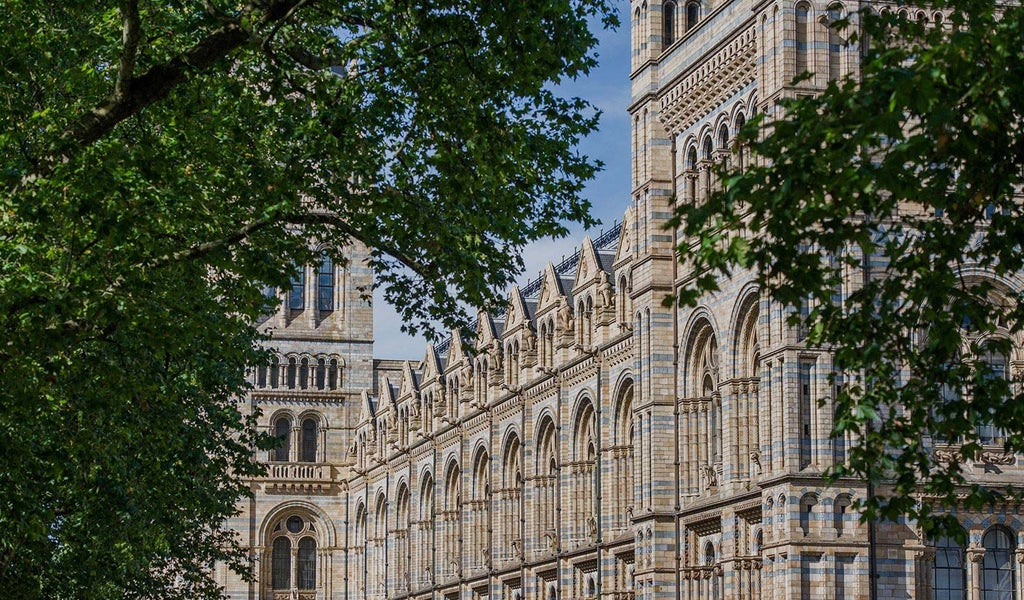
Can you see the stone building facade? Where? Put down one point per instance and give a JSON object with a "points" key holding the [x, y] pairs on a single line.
{"points": [[593, 443]]}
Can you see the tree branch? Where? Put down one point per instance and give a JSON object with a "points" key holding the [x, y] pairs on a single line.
{"points": [[333, 220], [133, 94], [130, 35]]}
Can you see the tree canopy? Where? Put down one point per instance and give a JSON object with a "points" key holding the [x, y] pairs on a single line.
{"points": [[164, 162], [887, 211]]}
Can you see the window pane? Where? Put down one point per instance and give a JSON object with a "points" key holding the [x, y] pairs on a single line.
{"points": [[282, 429], [296, 297], [307, 564], [281, 567], [308, 441], [949, 574], [325, 285], [997, 567]]}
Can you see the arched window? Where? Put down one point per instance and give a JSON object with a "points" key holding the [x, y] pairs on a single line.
{"points": [[307, 564], [949, 577], [803, 11], [304, 373], [692, 14], [840, 512], [995, 366], [321, 373], [427, 413], [741, 159], [309, 434], [997, 568], [281, 564], [275, 372], [333, 375], [283, 430], [325, 285], [807, 504], [293, 532], [296, 298], [835, 42], [291, 373], [668, 15]]}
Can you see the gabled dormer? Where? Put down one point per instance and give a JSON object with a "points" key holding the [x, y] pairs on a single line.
{"points": [[387, 416], [554, 319], [431, 390], [410, 385], [458, 376], [408, 404]]}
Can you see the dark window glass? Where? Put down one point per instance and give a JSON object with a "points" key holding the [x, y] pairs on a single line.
{"points": [[281, 564], [995, 368], [668, 14], [296, 298], [692, 15], [308, 441], [307, 564], [948, 575], [294, 524], [802, 36], [282, 429], [275, 372], [332, 375], [321, 373], [304, 374], [325, 285], [292, 368], [997, 568]]}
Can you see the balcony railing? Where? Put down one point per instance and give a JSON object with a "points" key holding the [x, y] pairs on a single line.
{"points": [[299, 478]]}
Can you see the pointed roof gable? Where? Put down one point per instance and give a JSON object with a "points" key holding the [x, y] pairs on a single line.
{"points": [[431, 364], [485, 332], [550, 289], [456, 351], [626, 241], [410, 383], [366, 408], [518, 313], [385, 395], [589, 264]]}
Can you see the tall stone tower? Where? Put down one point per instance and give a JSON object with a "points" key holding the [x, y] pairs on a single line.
{"points": [[742, 401], [322, 343]]}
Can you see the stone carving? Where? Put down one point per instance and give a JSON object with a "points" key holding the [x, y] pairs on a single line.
{"points": [[755, 459], [604, 292], [998, 458], [946, 456], [709, 476]]}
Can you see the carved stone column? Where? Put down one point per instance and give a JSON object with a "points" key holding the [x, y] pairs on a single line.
{"points": [[975, 556], [1019, 574]]}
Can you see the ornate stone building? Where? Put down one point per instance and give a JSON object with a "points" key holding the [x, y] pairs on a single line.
{"points": [[593, 443]]}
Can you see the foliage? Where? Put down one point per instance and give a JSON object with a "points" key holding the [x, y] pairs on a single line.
{"points": [[887, 210], [163, 162]]}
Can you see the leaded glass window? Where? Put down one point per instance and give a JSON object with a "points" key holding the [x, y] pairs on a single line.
{"points": [[949, 576], [308, 440], [307, 564], [995, 368], [281, 564], [325, 285], [282, 429], [997, 568], [296, 298]]}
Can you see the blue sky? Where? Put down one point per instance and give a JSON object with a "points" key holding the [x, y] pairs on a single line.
{"points": [[607, 87]]}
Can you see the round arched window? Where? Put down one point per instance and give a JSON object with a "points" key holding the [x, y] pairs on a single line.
{"points": [[293, 562]]}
